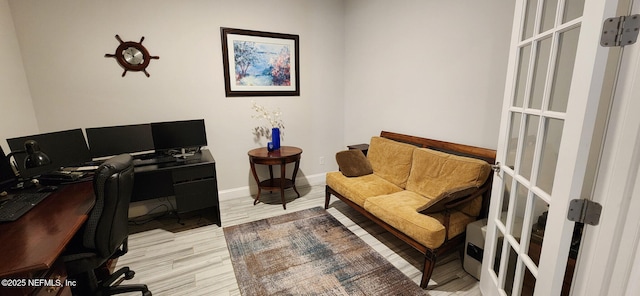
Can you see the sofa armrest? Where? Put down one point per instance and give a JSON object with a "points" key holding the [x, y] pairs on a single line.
{"points": [[462, 200], [456, 199], [452, 205]]}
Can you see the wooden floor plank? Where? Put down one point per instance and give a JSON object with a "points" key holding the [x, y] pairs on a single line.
{"points": [[197, 262]]}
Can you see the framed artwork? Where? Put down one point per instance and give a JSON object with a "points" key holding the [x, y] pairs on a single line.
{"points": [[260, 63]]}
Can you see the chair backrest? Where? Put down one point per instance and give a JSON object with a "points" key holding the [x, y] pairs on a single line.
{"points": [[107, 227]]}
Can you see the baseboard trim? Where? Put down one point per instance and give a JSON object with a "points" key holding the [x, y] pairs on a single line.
{"points": [[312, 180]]}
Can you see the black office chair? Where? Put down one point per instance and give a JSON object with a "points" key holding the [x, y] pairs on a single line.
{"points": [[104, 235]]}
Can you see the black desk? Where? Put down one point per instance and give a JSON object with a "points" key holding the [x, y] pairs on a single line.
{"points": [[192, 181]]}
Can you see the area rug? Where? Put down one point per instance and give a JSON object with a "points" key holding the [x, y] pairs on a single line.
{"points": [[310, 252]]}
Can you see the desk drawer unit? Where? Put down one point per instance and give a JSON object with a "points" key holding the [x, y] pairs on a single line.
{"points": [[193, 182], [151, 185], [193, 173], [195, 188], [196, 195]]}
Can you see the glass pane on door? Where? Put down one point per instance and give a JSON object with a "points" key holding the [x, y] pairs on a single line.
{"points": [[523, 68], [506, 191], [514, 136], [550, 149], [538, 225], [549, 8], [540, 73], [529, 19], [568, 44], [505, 262], [518, 210], [511, 270], [528, 284], [572, 10], [529, 144]]}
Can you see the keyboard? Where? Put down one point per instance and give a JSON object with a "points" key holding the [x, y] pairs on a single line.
{"points": [[20, 204], [154, 160]]}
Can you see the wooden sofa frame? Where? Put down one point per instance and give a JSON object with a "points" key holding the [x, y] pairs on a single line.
{"points": [[449, 244]]}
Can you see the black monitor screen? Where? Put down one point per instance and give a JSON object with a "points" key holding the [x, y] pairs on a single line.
{"points": [[178, 134], [114, 140], [64, 148], [7, 176]]}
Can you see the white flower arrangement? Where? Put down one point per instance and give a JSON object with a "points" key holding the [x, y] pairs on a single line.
{"points": [[272, 117]]}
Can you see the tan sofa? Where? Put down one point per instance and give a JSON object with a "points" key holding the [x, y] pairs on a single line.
{"points": [[421, 190]]}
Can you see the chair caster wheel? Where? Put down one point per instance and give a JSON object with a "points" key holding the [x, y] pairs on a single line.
{"points": [[147, 293], [129, 274]]}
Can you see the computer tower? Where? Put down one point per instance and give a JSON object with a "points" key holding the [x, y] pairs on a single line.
{"points": [[474, 247]]}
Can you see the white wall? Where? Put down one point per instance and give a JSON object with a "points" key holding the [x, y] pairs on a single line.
{"points": [[18, 117], [426, 67], [73, 85], [366, 66]]}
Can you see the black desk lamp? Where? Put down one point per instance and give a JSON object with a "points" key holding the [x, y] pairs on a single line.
{"points": [[35, 157]]}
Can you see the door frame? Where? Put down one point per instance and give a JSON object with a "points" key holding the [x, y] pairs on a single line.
{"points": [[610, 252]]}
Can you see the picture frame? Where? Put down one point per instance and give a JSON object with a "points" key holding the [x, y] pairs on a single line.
{"points": [[260, 63]]}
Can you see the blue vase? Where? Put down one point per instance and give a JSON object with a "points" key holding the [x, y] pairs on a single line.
{"points": [[275, 138]]}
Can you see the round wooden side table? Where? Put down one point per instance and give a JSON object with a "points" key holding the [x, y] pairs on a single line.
{"points": [[282, 156]]}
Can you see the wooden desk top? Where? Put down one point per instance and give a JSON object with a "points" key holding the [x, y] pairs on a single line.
{"points": [[34, 241]]}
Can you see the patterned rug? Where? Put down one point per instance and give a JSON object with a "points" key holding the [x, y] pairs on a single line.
{"points": [[309, 252]]}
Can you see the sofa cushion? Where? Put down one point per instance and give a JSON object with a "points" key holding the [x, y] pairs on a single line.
{"points": [[353, 163], [437, 175], [399, 210], [391, 160], [358, 189]]}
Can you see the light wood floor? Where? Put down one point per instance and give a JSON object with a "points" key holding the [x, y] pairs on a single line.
{"points": [[197, 262]]}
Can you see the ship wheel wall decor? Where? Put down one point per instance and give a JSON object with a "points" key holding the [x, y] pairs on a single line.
{"points": [[132, 56]]}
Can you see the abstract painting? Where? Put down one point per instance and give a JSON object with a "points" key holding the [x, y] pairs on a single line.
{"points": [[260, 63]]}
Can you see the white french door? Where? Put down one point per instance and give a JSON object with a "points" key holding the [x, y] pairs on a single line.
{"points": [[554, 83]]}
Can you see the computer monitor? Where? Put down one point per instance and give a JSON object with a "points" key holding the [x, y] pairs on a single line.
{"points": [[178, 135], [7, 177], [114, 140], [65, 149]]}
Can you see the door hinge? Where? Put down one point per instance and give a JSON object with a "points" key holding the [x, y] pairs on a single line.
{"points": [[620, 31], [584, 211]]}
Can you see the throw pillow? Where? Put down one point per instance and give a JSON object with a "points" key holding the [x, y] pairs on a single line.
{"points": [[353, 163]]}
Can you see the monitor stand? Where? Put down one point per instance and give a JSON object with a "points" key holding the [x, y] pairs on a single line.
{"points": [[183, 154]]}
